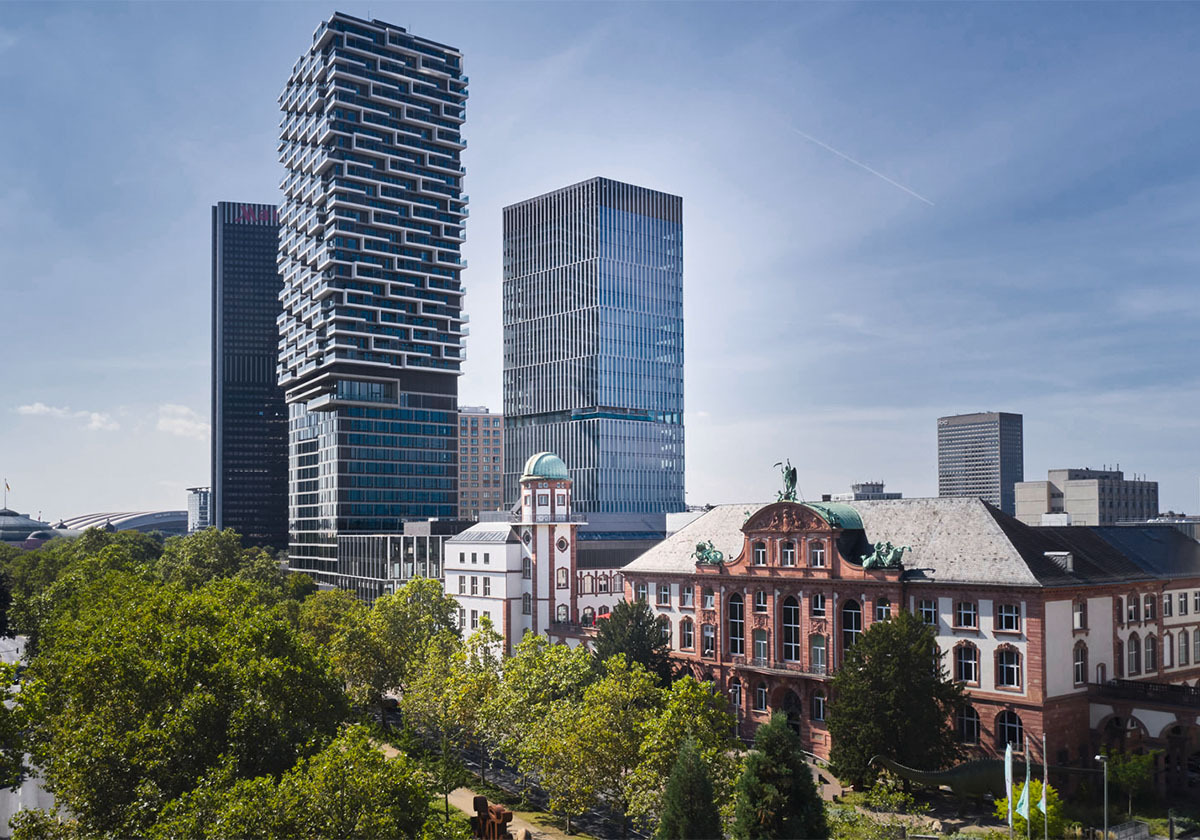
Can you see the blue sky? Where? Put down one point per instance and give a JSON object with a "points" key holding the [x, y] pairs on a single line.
{"points": [[1049, 266]]}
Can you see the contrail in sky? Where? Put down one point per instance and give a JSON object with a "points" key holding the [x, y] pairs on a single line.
{"points": [[862, 165]]}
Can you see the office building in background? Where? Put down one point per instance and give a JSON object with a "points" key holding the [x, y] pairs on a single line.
{"points": [[371, 333], [480, 461], [981, 456], [249, 419], [1086, 497], [199, 509], [593, 344]]}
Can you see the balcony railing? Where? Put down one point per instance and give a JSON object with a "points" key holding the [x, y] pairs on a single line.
{"points": [[546, 517], [1177, 695], [778, 666]]}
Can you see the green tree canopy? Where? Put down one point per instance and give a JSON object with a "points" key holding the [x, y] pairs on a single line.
{"points": [[690, 804], [891, 697], [325, 615], [1057, 825], [1132, 773], [776, 796], [143, 688], [633, 631]]}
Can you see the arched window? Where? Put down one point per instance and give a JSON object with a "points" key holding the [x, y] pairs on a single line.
{"points": [[1184, 653], [1081, 663], [760, 554], [967, 722], [1134, 603], [585, 585], [687, 634], [966, 663], [737, 624], [789, 553], [526, 604], [760, 601], [1009, 731], [1168, 650], [563, 613], [791, 629], [526, 568], [664, 629], [760, 697], [1151, 653], [589, 617], [883, 609], [1149, 602], [817, 662], [1135, 655], [817, 606], [851, 623], [818, 706], [1008, 667]]}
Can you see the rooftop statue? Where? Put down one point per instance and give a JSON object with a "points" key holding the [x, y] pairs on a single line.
{"points": [[708, 554], [885, 556], [788, 493]]}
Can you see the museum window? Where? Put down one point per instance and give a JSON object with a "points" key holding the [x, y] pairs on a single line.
{"points": [[1008, 667], [1008, 617], [487, 586], [760, 554], [817, 603], [883, 609], [562, 581], [1183, 603], [462, 584], [760, 646], [1134, 608], [789, 553], [816, 555], [687, 634], [526, 604], [791, 629], [1135, 655], [526, 568], [708, 599], [735, 694], [818, 706], [562, 613], [929, 612], [737, 625], [639, 591], [966, 615], [708, 640], [664, 595], [474, 585], [817, 661], [967, 723], [686, 594], [1080, 663], [760, 697], [760, 601], [1151, 654], [1168, 604], [1150, 613], [1184, 653], [664, 629], [851, 623], [1168, 650], [1079, 615]]}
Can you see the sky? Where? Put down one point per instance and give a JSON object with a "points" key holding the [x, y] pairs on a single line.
{"points": [[892, 212]]}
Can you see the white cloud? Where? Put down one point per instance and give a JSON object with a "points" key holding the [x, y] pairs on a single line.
{"points": [[95, 420], [182, 421]]}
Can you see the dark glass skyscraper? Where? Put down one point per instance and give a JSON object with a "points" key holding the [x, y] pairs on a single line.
{"points": [[593, 343], [249, 419], [372, 327], [981, 456]]}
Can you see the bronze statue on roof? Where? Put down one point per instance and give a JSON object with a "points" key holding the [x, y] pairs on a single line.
{"points": [[788, 493], [707, 554], [885, 556]]}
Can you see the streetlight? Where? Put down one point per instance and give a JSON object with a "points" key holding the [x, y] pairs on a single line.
{"points": [[1103, 759]]}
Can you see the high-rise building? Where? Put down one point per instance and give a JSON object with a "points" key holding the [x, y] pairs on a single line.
{"points": [[249, 419], [593, 343], [371, 334], [480, 461], [1086, 497], [981, 456], [199, 509]]}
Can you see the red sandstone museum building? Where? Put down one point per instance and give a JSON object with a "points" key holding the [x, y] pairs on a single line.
{"points": [[1091, 635]]}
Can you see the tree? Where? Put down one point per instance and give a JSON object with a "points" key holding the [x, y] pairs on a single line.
{"points": [[1036, 817], [891, 697], [1132, 774], [12, 731], [349, 789], [557, 747], [689, 804], [325, 615], [144, 688], [209, 554], [776, 796], [694, 712], [633, 631]]}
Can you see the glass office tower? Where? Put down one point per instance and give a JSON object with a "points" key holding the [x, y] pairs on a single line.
{"points": [[981, 456], [372, 328], [249, 418], [593, 343]]}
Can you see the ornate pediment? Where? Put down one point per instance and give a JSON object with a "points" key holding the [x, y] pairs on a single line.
{"points": [[784, 518]]}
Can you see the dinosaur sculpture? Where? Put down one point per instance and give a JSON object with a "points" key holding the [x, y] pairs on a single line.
{"points": [[971, 779]]}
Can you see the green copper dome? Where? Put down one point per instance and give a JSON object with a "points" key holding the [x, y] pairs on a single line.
{"points": [[545, 465]]}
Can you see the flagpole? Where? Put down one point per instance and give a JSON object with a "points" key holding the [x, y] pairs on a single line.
{"points": [[1008, 788], [1028, 795], [1045, 782]]}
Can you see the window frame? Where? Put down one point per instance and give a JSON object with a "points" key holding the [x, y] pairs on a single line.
{"points": [[1079, 663], [927, 608], [1009, 663], [789, 620], [1007, 618], [760, 601], [787, 553], [815, 609], [662, 595], [816, 554], [758, 553], [735, 623], [966, 655], [963, 609], [687, 634]]}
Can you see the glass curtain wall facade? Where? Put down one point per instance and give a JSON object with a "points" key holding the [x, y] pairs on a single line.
{"points": [[371, 333], [981, 456], [593, 343], [249, 418]]}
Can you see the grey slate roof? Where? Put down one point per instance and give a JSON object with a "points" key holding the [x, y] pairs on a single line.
{"points": [[962, 541], [485, 532]]}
